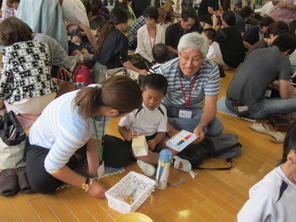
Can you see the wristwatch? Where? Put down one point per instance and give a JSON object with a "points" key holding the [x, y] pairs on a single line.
{"points": [[86, 184]]}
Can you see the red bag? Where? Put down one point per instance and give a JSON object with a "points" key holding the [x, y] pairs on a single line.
{"points": [[85, 72]]}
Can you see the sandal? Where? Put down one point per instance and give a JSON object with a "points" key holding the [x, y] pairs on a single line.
{"points": [[8, 182], [182, 164]]}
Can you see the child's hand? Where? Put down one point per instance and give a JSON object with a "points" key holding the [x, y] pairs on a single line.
{"points": [[151, 144], [131, 135]]}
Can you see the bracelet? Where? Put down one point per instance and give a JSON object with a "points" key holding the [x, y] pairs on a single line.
{"points": [[86, 185]]}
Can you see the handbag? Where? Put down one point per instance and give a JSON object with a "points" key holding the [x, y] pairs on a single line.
{"points": [[12, 142]]}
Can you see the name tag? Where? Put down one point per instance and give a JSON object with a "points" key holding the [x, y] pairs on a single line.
{"points": [[242, 108], [268, 93], [185, 114]]}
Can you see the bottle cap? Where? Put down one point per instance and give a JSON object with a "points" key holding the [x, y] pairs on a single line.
{"points": [[79, 78], [165, 155]]}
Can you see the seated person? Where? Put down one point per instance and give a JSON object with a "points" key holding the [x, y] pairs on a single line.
{"points": [[149, 34], [292, 57], [249, 92], [206, 10], [242, 17], [160, 54], [26, 84], [267, 8], [63, 137], [214, 52], [149, 120], [273, 31], [112, 46], [193, 88], [257, 32], [230, 40], [175, 31], [270, 199]]}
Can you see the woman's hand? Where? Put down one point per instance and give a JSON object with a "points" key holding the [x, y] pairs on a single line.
{"points": [[97, 190], [64, 74]]}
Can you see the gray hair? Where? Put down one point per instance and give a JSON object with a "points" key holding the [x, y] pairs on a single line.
{"points": [[194, 41]]}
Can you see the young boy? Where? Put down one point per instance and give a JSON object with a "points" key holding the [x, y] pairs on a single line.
{"points": [[149, 120]]}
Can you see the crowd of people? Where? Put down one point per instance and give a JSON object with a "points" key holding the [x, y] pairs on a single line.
{"points": [[179, 56]]}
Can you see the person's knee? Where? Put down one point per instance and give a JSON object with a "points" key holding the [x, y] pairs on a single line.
{"points": [[117, 153], [215, 128]]}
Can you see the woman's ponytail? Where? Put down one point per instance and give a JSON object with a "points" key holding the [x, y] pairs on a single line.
{"points": [[88, 100]]}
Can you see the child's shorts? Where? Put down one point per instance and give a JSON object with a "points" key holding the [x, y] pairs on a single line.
{"points": [[117, 152]]}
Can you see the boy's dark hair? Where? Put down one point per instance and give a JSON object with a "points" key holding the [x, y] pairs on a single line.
{"points": [[266, 21], [10, 2], [292, 27], [151, 12], [155, 82], [210, 33], [229, 18], [188, 13], [285, 42], [277, 28], [246, 11], [13, 30], [160, 53], [289, 142]]}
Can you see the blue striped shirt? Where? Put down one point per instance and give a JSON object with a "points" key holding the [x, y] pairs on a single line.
{"points": [[207, 83], [61, 130]]}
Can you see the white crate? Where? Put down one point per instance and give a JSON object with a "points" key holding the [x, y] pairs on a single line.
{"points": [[140, 185]]}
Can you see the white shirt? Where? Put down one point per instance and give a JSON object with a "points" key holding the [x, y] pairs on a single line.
{"points": [[266, 9], [74, 11], [145, 43], [146, 122], [214, 53], [272, 199]]}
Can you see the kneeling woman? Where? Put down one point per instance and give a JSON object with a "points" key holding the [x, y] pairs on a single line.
{"points": [[65, 126]]}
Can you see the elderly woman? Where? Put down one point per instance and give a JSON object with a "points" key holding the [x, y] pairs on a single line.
{"points": [[193, 88]]}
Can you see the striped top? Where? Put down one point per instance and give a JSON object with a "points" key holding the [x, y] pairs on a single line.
{"points": [[207, 83], [60, 129]]}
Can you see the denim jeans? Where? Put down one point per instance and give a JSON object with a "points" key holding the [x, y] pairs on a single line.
{"points": [[214, 128], [268, 107]]}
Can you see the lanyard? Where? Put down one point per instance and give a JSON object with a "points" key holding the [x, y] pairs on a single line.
{"points": [[99, 144], [187, 98], [152, 44]]}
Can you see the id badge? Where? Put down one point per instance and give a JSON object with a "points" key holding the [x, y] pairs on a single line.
{"points": [[268, 93], [185, 114]]}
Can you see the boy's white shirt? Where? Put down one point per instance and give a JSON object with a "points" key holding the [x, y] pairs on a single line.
{"points": [[264, 204], [146, 122]]}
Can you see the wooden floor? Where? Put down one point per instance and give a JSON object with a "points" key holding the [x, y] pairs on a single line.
{"points": [[212, 196]]}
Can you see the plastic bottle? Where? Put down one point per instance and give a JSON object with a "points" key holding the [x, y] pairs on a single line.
{"points": [[79, 81], [163, 169]]}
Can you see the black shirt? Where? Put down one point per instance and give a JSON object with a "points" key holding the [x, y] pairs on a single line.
{"points": [[174, 32], [231, 45], [252, 35], [114, 50], [203, 14]]}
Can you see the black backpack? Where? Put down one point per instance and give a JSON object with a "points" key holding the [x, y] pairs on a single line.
{"points": [[225, 146]]}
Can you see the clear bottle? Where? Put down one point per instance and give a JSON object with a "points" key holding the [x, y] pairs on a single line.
{"points": [[79, 81], [163, 169]]}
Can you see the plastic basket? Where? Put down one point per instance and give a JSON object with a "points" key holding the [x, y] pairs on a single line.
{"points": [[133, 183]]}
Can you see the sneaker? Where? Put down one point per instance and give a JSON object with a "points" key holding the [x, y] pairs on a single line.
{"points": [[147, 168], [181, 164]]}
